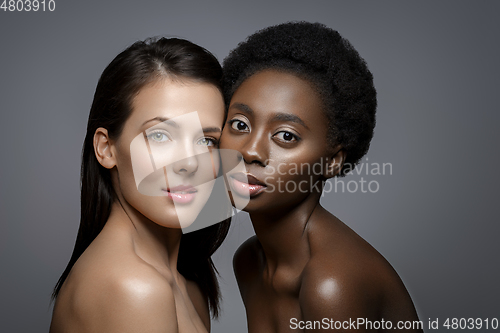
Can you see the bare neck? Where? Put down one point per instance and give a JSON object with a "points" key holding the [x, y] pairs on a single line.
{"points": [[155, 244], [283, 235]]}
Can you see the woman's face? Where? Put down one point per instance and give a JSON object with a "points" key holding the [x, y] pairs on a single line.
{"points": [[276, 121], [164, 159]]}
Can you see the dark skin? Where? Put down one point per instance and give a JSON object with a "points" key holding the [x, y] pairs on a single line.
{"points": [[303, 263]]}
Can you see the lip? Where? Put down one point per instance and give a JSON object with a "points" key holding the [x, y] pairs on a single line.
{"points": [[182, 194], [246, 185]]}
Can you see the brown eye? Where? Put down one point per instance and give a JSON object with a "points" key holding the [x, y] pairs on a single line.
{"points": [[239, 125], [286, 136]]}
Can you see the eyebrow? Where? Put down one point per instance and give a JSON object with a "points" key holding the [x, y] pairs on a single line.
{"points": [[211, 130], [242, 107], [289, 117], [281, 116], [162, 119], [174, 124]]}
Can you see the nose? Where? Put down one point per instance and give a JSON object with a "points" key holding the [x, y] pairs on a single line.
{"points": [[255, 149], [187, 165]]}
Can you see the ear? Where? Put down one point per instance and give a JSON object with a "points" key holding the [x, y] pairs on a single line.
{"points": [[335, 163], [103, 148]]}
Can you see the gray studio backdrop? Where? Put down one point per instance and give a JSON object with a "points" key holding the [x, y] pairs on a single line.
{"points": [[434, 217]]}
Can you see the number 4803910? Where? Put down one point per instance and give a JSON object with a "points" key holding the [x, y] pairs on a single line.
{"points": [[28, 5]]}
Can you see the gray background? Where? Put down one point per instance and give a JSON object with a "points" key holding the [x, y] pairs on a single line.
{"points": [[436, 70]]}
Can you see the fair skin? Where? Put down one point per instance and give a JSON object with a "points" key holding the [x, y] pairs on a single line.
{"points": [[304, 263], [127, 279]]}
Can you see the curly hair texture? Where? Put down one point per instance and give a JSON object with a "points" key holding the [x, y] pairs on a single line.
{"points": [[329, 62]]}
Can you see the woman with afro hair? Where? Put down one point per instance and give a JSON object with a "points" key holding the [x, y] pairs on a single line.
{"points": [[301, 109]]}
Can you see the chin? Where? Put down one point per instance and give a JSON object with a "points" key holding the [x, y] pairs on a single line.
{"points": [[256, 205]]}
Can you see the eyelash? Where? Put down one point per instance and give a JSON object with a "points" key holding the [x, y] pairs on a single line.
{"points": [[233, 121], [150, 137], [294, 137], [214, 141]]}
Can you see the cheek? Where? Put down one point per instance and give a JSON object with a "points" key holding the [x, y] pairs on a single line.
{"points": [[140, 159], [148, 201], [125, 168], [215, 161], [129, 185], [295, 166]]}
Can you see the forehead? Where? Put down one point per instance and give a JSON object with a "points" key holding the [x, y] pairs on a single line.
{"points": [[276, 91], [167, 98]]}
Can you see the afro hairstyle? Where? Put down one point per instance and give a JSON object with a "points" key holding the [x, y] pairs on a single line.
{"points": [[320, 55]]}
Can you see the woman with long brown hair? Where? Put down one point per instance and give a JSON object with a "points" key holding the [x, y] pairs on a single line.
{"points": [[132, 268]]}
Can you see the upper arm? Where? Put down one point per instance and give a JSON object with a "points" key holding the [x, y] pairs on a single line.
{"points": [[398, 305], [325, 296], [132, 304], [344, 294], [338, 294]]}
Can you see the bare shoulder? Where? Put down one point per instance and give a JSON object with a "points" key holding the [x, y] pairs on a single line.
{"points": [[347, 277], [115, 294], [137, 299], [247, 262]]}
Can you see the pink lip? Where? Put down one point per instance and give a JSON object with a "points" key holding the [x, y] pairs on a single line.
{"points": [[246, 185], [182, 194]]}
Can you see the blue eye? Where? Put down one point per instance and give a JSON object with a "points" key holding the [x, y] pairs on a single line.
{"points": [[239, 125], [207, 142], [286, 136], [158, 137]]}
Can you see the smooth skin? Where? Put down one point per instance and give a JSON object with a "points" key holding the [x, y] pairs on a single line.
{"points": [[303, 263], [127, 279]]}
